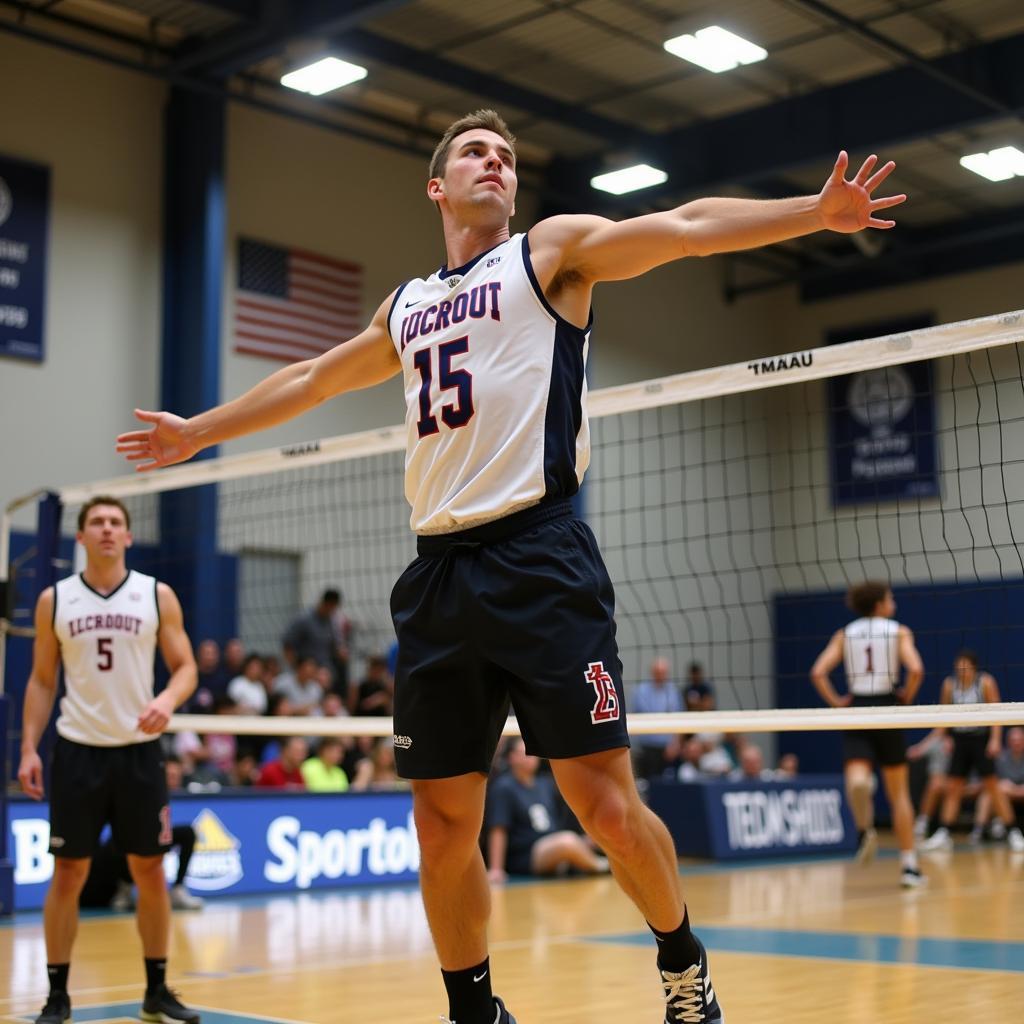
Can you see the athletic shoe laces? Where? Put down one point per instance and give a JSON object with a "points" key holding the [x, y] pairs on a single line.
{"points": [[684, 995]]}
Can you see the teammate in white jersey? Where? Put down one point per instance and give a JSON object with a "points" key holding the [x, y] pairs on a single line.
{"points": [[975, 749], [873, 648], [103, 628], [509, 599]]}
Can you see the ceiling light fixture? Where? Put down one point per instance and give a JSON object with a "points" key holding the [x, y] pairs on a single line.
{"points": [[715, 48], [997, 164], [323, 76], [629, 179]]}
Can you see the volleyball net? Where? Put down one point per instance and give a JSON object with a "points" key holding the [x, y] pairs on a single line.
{"points": [[733, 505]]}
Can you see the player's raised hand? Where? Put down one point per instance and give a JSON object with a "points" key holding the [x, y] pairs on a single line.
{"points": [[849, 205], [163, 445]]}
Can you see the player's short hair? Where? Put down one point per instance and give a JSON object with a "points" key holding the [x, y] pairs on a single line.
{"points": [[862, 597], [968, 654], [489, 119], [331, 596], [103, 499]]}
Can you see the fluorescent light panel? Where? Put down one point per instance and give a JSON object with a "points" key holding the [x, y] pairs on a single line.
{"points": [[323, 76], [629, 179], [716, 49], [997, 164]]}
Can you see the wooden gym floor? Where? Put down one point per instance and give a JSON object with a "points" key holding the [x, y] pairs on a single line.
{"points": [[790, 942]]}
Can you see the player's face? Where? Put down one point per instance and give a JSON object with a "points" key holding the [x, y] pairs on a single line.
{"points": [[480, 178], [105, 535], [965, 670]]}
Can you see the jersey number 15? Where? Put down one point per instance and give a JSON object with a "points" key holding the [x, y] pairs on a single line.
{"points": [[453, 414]]}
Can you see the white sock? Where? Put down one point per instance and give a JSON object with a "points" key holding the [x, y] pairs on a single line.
{"points": [[908, 859]]}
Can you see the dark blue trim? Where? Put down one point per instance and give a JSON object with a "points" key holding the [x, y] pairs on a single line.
{"points": [[528, 263], [156, 602], [466, 267], [391, 311], [104, 597]]}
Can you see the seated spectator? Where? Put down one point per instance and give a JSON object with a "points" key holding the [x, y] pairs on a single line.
{"points": [[278, 706], [233, 658], [375, 695], [211, 678], [247, 689], [1010, 768], [689, 769], [721, 753], [788, 767], [700, 695], [246, 770], [286, 771], [378, 770], [751, 768], [524, 819], [332, 706], [221, 747], [304, 687], [654, 752], [321, 772]]}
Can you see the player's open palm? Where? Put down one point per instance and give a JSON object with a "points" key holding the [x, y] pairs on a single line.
{"points": [[849, 205], [163, 445]]}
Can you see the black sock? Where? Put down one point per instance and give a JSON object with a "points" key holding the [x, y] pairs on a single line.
{"points": [[156, 973], [677, 950], [58, 975], [470, 1000]]}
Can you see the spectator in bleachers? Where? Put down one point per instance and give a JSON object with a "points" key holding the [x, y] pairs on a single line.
{"points": [[222, 746], [700, 694], [233, 658], [246, 770], [304, 687], [659, 695], [751, 767], [722, 753], [286, 771], [525, 824], [212, 681], [1010, 769], [342, 657], [271, 670], [332, 706], [322, 772], [375, 695], [788, 767], [312, 634], [377, 771], [247, 689], [689, 768]]}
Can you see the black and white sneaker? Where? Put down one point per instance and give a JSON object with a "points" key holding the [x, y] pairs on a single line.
{"points": [[911, 878], [501, 1015], [689, 997], [57, 1009], [164, 1007]]}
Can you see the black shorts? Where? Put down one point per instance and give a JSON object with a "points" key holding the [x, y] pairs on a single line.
{"points": [[969, 753], [885, 747], [518, 610], [124, 787]]}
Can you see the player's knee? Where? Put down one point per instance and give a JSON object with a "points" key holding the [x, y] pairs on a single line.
{"points": [[70, 874], [861, 786], [443, 832], [611, 823], [147, 872]]}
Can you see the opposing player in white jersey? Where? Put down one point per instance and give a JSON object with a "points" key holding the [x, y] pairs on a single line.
{"points": [[873, 649], [975, 748], [103, 627], [509, 599]]}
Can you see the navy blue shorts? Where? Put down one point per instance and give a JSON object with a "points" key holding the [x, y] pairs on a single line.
{"points": [[518, 611]]}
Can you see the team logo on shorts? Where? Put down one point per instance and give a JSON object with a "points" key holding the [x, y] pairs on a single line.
{"points": [[606, 706], [403, 742]]}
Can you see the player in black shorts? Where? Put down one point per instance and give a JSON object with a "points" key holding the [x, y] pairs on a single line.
{"points": [[874, 648], [975, 748], [102, 628], [509, 601]]}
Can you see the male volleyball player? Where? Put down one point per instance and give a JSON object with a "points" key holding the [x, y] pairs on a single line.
{"points": [[975, 748], [103, 627], [509, 597], [873, 648]]}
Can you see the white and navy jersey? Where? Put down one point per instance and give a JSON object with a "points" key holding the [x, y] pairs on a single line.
{"points": [[871, 656], [495, 392], [107, 646], [966, 695]]}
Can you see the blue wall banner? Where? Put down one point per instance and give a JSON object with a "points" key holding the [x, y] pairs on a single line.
{"points": [[24, 216], [255, 842], [737, 820], [882, 427]]}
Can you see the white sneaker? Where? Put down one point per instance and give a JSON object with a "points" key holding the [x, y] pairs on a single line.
{"points": [[1015, 839], [182, 899], [124, 898], [940, 840]]}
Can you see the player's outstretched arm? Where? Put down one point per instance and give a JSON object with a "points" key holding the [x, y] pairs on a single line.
{"points": [[910, 658], [367, 359], [176, 650], [595, 249], [826, 663], [39, 696]]}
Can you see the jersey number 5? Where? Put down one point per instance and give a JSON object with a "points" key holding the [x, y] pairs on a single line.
{"points": [[456, 414], [105, 653]]}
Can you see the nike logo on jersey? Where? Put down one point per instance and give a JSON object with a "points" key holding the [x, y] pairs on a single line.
{"points": [[408, 304]]}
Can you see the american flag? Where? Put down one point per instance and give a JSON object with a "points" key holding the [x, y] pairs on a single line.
{"points": [[292, 304]]}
